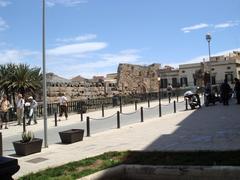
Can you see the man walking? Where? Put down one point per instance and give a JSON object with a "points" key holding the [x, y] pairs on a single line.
{"points": [[225, 90], [237, 90], [32, 111], [20, 109], [63, 106]]}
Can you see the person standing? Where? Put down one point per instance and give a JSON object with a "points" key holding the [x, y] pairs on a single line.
{"points": [[5, 105], [237, 90], [20, 109], [225, 90], [169, 92], [32, 111], [63, 106]]}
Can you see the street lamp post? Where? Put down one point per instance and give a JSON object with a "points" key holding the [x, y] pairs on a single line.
{"points": [[44, 76], [208, 38]]}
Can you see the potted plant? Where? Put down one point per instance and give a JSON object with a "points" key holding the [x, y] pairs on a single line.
{"points": [[28, 144], [71, 136]]}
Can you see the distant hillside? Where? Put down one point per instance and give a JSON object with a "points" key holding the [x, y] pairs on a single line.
{"points": [[51, 77]]}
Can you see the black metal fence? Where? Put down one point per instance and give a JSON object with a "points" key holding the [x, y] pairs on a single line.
{"points": [[93, 104]]}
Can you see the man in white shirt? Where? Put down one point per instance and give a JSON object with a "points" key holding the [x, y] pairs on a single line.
{"points": [[63, 106], [33, 111], [20, 109]]}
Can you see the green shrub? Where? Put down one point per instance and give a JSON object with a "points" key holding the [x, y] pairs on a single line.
{"points": [[27, 136]]}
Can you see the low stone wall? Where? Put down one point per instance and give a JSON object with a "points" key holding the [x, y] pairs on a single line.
{"points": [[145, 172]]}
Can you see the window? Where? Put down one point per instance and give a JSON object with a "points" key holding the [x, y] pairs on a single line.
{"points": [[174, 82], [164, 83], [229, 77], [184, 81], [213, 80]]}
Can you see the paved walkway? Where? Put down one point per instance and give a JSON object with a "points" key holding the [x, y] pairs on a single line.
{"points": [[210, 128]]}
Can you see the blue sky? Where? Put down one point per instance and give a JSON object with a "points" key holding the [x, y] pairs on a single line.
{"points": [[91, 37]]}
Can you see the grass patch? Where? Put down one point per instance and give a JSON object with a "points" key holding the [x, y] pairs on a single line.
{"points": [[91, 165]]}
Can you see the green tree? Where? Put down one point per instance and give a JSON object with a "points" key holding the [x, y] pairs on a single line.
{"points": [[20, 78]]}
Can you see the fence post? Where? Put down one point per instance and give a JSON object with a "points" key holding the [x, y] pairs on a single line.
{"points": [[186, 103], [160, 108], [174, 106], [169, 99], [135, 105], [88, 126], [24, 123], [102, 110], [81, 115], [141, 114], [55, 118], [81, 111], [120, 100], [148, 102], [118, 120]]}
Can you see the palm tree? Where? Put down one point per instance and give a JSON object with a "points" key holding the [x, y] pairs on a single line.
{"points": [[6, 72], [19, 78], [26, 79]]}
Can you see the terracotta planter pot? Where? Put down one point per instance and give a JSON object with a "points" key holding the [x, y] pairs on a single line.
{"points": [[27, 148], [71, 136]]}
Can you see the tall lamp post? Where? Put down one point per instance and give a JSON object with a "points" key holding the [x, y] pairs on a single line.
{"points": [[208, 38], [44, 76]]}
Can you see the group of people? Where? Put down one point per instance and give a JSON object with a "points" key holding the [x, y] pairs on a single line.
{"points": [[28, 109], [23, 109], [226, 91]]}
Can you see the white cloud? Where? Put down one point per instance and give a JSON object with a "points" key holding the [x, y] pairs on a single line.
{"points": [[82, 38], [216, 26], [89, 67], [77, 49], [226, 24], [67, 3], [3, 24], [15, 56], [4, 3], [194, 27]]}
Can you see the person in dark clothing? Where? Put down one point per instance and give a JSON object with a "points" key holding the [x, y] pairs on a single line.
{"points": [[225, 90], [237, 90]]}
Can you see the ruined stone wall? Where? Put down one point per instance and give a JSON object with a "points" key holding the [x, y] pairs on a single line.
{"points": [[138, 79]]}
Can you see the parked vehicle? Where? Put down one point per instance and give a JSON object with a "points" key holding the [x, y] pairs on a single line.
{"points": [[193, 99]]}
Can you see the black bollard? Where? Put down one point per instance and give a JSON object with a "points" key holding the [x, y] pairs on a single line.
{"points": [[135, 105], [118, 120], [148, 103], [88, 127], [24, 123], [160, 108], [102, 110], [81, 115], [141, 114], [177, 98], [186, 104], [174, 106], [120, 99], [169, 99], [55, 118]]}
